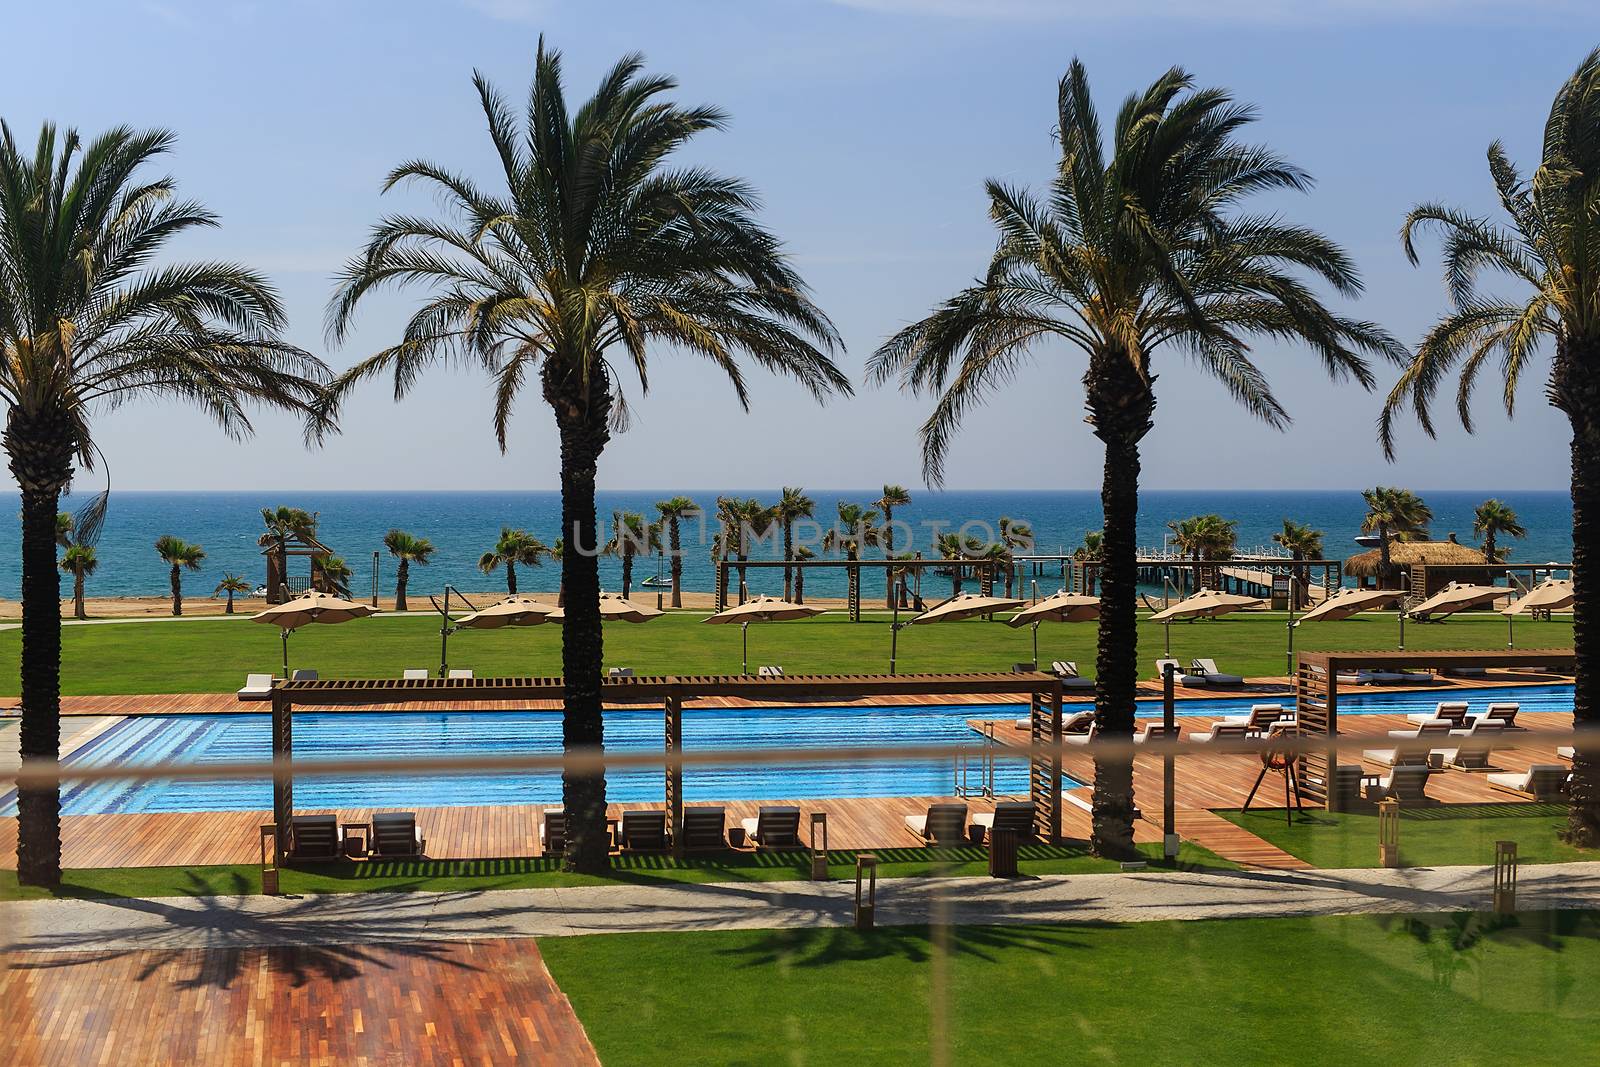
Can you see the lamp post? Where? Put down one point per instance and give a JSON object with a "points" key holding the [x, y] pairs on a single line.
{"points": [[446, 628], [374, 578]]}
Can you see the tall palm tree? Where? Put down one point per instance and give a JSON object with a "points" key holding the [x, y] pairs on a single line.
{"points": [[592, 251], [792, 506], [673, 511], [408, 550], [631, 537], [1550, 250], [1302, 542], [743, 519], [231, 584], [894, 496], [513, 548], [1492, 519], [180, 555], [1394, 515], [282, 523], [88, 322], [81, 562], [1132, 250], [801, 554]]}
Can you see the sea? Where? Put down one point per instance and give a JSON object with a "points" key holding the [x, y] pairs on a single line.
{"points": [[463, 525]]}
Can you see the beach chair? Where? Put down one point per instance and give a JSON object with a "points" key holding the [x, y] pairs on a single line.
{"points": [[553, 832], [1454, 711], [1085, 737], [1017, 815], [459, 674], [305, 674], [1157, 731], [415, 674], [1221, 731], [256, 687], [1544, 782], [644, 831], [1072, 722], [769, 671], [1505, 713], [1260, 718], [944, 825], [1067, 671], [620, 672], [396, 834], [1466, 672], [1408, 785], [703, 830], [1207, 669], [315, 837], [1182, 677], [773, 828], [1415, 752], [1472, 752], [1566, 752]]}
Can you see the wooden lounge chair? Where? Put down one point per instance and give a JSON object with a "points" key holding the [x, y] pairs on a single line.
{"points": [[774, 827], [1408, 785], [1476, 742], [1261, 717], [415, 674], [1067, 671], [1544, 782], [644, 831], [314, 837], [771, 670], [1017, 815], [1157, 731], [944, 825], [256, 687], [459, 674], [1221, 731], [1207, 669], [702, 830], [553, 832], [395, 833], [1504, 712], [1454, 711]]}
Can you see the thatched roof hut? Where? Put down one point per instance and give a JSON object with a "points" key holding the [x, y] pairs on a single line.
{"points": [[1410, 553]]}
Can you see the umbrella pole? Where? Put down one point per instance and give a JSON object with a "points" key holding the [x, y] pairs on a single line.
{"points": [[744, 632], [444, 634], [1511, 637], [1036, 644], [1167, 626], [1402, 627], [285, 635], [1289, 660]]}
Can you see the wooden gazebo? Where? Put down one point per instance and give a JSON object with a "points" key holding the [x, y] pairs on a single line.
{"points": [[281, 585]]}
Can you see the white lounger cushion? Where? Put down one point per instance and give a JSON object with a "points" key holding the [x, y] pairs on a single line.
{"points": [[414, 674], [1208, 671], [256, 686], [460, 674]]}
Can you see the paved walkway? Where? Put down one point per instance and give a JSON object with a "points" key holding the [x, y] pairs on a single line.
{"points": [[392, 918]]}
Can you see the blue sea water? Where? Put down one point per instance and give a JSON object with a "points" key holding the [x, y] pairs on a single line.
{"points": [[462, 525]]}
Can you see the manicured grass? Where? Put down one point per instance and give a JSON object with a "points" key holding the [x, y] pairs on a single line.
{"points": [[1458, 989], [1447, 835], [214, 656], [439, 876]]}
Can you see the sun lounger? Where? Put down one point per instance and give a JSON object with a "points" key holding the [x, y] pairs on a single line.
{"points": [[305, 674], [944, 824], [1207, 669], [644, 831], [1072, 722], [1085, 737], [702, 830], [1158, 732], [1466, 672], [1471, 753], [459, 674], [1566, 752], [1453, 710], [1260, 718], [395, 833], [1181, 677], [256, 687], [315, 837], [1504, 712], [553, 832], [1543, 782], [415, 674], [1017, 815], [1221, 731], [774, 827], [1067, 671], [1407, 784], [620, 672], [769, 671]]}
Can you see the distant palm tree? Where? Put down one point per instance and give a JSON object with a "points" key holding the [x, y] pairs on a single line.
{"points": [[801, 554], [90, 320], [591, 251], [894, 496], [1492, 519], [1133, 249], [1014, 537], [1091, 551], [408, 550], [673, 511], [792, 506], [952, 546], [631, 536], [80, 562], [514, 547], [1394, 515], [283, 523], [336, 573], [1203, 538], [1302, 543], [743, 520], [65, 525], [180, 555], [558, 553], [231, 584]]}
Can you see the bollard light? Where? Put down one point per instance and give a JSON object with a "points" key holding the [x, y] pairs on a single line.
{"points": [[866, 890], [269, 859], [1505, 877], [1389, 832], [819, 849]]}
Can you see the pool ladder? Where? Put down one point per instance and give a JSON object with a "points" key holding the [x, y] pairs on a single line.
{"points": [[974, 773]]}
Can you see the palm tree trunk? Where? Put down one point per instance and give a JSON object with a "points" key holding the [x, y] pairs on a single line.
{"points": [[229, 609], [511, 578], [788, 558], [627, 574], [677, 563], [1488, 545], [176, 578], [1578, 394], [402, 575], [888, 553], [743, 581], [799, 585], [77, 596]]}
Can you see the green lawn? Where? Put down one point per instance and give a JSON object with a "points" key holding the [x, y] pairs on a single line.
{"points": [[1443, 836], [439, 876], [214, 656], [1457, 989]]}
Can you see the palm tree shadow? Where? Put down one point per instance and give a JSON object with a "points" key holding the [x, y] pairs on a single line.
{"points": [[824, 946]]}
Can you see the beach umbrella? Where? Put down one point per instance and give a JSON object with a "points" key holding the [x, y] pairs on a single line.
{"points": [[762, 609], [1552, 594], [1345, 603], [307, 608], [1206, 604], [1457, 596], [964, 606], [614, 608], [512, 611], [1058, 607]]}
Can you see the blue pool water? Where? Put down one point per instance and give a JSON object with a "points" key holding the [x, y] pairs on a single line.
{"points": [[216, 739]]}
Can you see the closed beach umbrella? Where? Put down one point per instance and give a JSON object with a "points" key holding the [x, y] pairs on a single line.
{"points": [[1552, 594], [614, 608], [1457, 596], [1206, 604], [308, 608], [1347, 602], [512, 611], [1058, 607], [762, 609]]}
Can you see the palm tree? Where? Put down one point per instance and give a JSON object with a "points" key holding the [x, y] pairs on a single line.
{"points": [[1203, 538], [80, 562], [894, 496], [282, 523], [673, 511], [408, 550], [1014, 536], [591, 252], [336, 573], [1128, 252], [743, 519], [231, 584], [801, 554], [1302, 542], [1394, 515], [66, 524], [953, 546], [1491, 519], [558, 553], [88, 323], [792, 506], [180, 556], [631, 536], [514, 547], [1091, 551], [1549, 247]]}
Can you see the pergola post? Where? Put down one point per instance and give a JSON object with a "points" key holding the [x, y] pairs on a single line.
{"points": [[855, 591], [1169, 770], [282, 770], [1044, 771], [673, 719], [722, 585]]}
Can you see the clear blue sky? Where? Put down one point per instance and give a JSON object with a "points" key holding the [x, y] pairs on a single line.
{"points": [[868, 127]]}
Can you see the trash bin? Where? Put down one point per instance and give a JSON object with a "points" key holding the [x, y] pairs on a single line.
{"points": [[1002, 853]]}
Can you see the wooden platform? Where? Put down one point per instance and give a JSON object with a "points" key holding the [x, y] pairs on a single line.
{"points": [[422, 1004]]}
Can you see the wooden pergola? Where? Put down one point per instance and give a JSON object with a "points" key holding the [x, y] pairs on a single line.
{"points": [[1316, 694], [672, 692]]}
